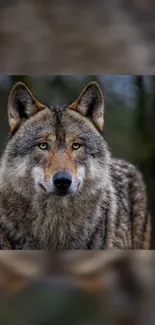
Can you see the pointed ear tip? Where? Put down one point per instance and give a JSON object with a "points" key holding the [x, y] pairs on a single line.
{"points": [[17, 85], [95, 85]]}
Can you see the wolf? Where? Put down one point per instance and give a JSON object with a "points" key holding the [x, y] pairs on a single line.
{"points": [[60, 187]]}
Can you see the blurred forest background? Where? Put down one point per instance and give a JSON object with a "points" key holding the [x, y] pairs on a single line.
{"points": [[63, 36], [77, 288], [129, 115]]}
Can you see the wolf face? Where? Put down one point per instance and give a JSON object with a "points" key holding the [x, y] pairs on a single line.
{"points": [[55, 150]]}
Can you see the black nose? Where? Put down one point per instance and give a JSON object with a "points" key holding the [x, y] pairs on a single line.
{"points": [[62, 180]]}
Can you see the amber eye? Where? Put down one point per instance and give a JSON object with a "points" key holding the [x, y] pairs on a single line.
{"points": [[76, 146], [43, 145]]}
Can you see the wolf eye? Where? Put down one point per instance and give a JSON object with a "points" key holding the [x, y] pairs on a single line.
{"points": [[43, 145], [76, 146]]}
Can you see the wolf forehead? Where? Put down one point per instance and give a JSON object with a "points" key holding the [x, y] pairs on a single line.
{"points": [[58, 119], [64, 117]]}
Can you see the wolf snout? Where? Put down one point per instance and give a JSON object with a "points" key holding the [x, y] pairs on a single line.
{"points": [[62, 180]]}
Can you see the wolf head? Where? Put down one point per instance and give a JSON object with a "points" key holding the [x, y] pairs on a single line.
{"points": [[55, 150]]}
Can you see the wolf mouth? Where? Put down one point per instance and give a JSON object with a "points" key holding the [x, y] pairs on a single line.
{"points": [[43, 188], [56, 192]]}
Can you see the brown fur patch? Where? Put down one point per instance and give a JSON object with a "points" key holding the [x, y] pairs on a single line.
{"points": [[59, 162], [37, 107], [12, 124]]}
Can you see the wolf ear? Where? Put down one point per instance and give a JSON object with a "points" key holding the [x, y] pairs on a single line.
{"points": [[90, 103], [21, 105]]}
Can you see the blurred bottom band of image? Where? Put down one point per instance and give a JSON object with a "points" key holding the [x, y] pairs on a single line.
{"points": [[77, 287]]}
